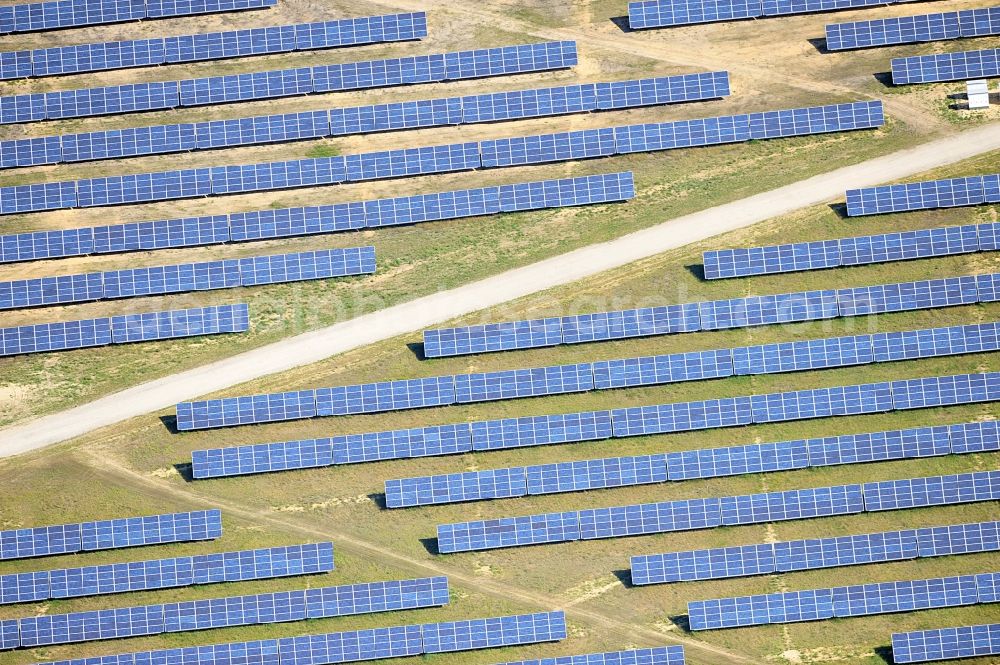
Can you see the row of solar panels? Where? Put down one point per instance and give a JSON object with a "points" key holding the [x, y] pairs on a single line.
{"points": [[714, 512], [710, 315], [854, 251], [924, 195], [715, 315], [76, 13], [672, 655], [494, 153], [103, 56], [582, 475], [665, 13], [557, 429], [441, 112], [187, 277], [921, 646], [288, 222], [412, 70], [124, 329], [110, 534], [913, 29], [946, 67], [844, 601], [454, 389], [358, 645], [258, 564], [227, 612], [814, 553]]}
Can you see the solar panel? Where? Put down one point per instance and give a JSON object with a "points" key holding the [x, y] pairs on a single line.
{"points": [[822, 402], [681, 417], [946, 67], [921, 646], [879, 446], [707, 564], [540, 430], [859, 250], [908, 296], [945, 390], [68, 14], [228, 412], [508, 532], [244, 565], [493, 337], [493, 632], [400, 444], [455, 488], [139, 282], [351, 646], [736, 460], [653, 370], [932, 491], [665, 13], [180, 323], [768, 310], [791, 505], [959, 539], [9, 636], [762, 609], [110, 534], [988, 287], [975, 437], [931, 342], [813, 553], [802, 355], [923, 195], [904, 596], [913, 29], [514, 384], [672, 655], [545, 148], [45, 337], [167, 8], [261, 458]]}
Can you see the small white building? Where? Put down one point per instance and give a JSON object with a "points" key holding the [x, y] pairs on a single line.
{"points": [[978, 93]]}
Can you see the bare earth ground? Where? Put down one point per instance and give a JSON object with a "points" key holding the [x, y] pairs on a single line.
{"points": [[139, 466]]}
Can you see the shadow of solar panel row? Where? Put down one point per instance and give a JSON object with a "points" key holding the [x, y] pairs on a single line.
{"points": [[854, 251], [948, 193], [259, 564], [708, 513], [413, 70], [38, 16], [814, 553], [566, 146], [452, 389], [358, 645], [124, 329], [842, 602], [103, 56], [921, 646], [557, 429], [265, 608], [710, 315], [110, 534], [312, 220], [913, 29], [666, 13], [946, 67], [440, 112], [582, 475], [184, 278], [672, 655]]}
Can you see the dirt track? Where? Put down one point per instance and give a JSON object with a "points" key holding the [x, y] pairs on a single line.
{"points": [[445, 305]]}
